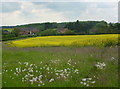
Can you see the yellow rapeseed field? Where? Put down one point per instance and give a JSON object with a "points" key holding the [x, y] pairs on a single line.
{"points": [[69, 41]]}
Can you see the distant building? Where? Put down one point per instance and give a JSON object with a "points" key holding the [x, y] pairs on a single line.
{"points": [[29, 32], [34, 31], [62, 30], [24, 32]]}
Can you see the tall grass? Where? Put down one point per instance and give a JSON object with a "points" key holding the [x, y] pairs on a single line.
{"points": [[81, 59]]}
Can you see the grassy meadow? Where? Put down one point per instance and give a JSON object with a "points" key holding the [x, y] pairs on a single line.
{"points": [[8, 29], [61, 61]]}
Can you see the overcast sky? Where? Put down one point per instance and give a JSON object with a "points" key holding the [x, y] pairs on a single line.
{"points": [[16, 13]]}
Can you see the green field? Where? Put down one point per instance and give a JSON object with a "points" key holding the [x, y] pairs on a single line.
{"points": [[60, 67], [8, 29]]}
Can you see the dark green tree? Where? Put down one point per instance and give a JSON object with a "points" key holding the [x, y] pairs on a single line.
{"points": [[16, 31]]}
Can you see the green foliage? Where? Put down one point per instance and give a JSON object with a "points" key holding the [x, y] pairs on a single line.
{"points": [[49, 32], [16, 32], [75, 28], [8, 29], [69, 32], [13, 37], [83, 59]]}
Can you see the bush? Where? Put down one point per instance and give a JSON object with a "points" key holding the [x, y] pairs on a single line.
{"points": [[49, 32]]}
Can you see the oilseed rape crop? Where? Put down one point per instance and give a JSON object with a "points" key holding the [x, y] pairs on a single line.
{"points": [[68, 41]]}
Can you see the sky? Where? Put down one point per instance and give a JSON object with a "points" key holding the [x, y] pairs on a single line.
{"points": [[24, 12]]}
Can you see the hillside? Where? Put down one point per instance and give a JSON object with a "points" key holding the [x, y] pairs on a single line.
{"points": [[65, 28]]}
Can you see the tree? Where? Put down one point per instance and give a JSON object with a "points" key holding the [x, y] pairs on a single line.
{"points": [[99, 28], [16, 31]]}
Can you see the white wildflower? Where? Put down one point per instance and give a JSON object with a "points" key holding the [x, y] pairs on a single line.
{"points": [[31, 75], [31, 81], [38, 84], [51, 80], [84, 83], [81, 82], [84, 79], [100, 65], [12, 78], [36, 70], [41, 82], [41, 62], [89, 78], [87, 85], [31, 65], [56, 73], [112, 58], [48, 68], [93, 82], [19, 63], [34, 79]]}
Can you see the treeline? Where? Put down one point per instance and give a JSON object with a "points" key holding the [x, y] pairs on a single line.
{"points": [[93, 27], [65, 28], [79, 27]]}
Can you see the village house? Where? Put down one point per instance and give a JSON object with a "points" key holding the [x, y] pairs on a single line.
{"points": [[62, 30], [29, 32]]}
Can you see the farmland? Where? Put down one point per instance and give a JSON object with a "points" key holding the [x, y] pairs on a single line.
{"points": [[39, 62], [8, 29], [59, 44], [68, 41]]}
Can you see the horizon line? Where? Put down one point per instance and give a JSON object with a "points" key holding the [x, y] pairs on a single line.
{"points": [[54, 22]]}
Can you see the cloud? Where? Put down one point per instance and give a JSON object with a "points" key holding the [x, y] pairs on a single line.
{"points": [[79, 10], [94, 12], [64, 6], [30, 13], [10, 6], [70, 9], [61, 0]]}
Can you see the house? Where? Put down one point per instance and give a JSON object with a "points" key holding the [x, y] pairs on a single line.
{"points": [[62, 30], [24, 32], [29, 32], [34, 31]]}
